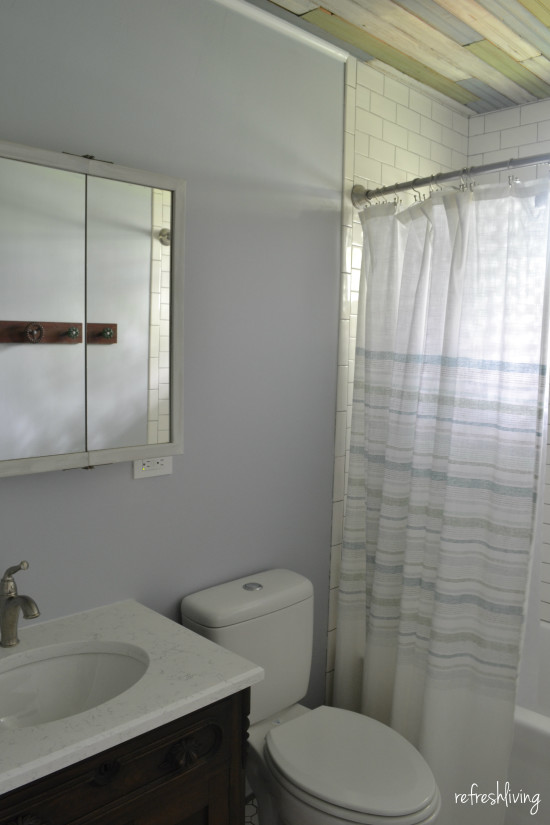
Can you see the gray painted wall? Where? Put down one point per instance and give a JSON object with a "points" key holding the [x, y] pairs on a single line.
{"points": [[252, 119]]}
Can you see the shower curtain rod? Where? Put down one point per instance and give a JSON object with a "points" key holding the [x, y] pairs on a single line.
{"points": [[361, 196]]}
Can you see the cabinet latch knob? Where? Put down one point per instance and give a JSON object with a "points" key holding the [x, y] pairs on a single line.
{"points": [[34, 332]]}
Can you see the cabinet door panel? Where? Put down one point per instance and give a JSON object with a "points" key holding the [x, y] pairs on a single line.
{"points": [[42, 230], [203, 802], [119, 240]]}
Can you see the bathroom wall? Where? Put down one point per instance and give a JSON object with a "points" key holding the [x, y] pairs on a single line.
{"points": [[251, 116]]}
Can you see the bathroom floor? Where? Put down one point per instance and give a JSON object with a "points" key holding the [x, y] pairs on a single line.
{"points": [[251, 813]]}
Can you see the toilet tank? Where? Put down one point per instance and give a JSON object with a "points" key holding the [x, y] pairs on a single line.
{"points": [[268, 619]]}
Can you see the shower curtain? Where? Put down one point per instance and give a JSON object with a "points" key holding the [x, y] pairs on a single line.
{"points": [[446, 443]]}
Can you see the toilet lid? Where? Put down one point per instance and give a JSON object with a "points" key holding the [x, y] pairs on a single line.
{"points": [[352, 761]]}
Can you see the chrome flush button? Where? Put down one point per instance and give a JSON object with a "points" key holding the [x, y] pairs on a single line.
{"points": [[253, 586]]}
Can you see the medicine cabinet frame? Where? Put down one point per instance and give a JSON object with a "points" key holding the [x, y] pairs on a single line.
{"points": [[92, 168]]}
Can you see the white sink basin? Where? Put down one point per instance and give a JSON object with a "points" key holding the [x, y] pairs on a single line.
{"points": [[61, 680]]}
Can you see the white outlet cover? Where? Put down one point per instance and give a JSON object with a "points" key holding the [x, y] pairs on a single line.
{"points": [[148, 467]]}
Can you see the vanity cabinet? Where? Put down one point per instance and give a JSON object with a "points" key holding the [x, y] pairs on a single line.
{"points": [[187, 772], [90, 312]]}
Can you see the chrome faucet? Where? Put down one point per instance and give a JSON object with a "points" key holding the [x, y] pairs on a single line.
{"points": [[11, 604]]}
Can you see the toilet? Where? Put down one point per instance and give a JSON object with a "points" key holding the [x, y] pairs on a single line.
{"points": [[325, 766]]}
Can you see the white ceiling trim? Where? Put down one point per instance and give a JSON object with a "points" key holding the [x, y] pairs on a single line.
{"points": [[271, 21]]}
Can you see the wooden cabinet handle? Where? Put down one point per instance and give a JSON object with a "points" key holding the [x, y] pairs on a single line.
{"points": [[40, 332], [198, 745], [101, 333], [105, 773], [184, 753]]}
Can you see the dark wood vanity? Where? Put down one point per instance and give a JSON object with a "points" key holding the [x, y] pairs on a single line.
{"points": [[187, 772]]}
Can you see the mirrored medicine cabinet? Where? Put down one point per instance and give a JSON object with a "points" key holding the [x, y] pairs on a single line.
{"points": [[91, 312]]}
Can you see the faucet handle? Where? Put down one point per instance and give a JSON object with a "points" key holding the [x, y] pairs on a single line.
{"points": [[7, 584], [11, 570]]}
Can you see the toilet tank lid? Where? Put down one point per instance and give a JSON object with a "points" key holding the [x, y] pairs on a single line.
{"points": [[247, 598]]}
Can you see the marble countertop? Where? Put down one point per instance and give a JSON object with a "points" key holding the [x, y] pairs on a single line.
{"points": [[185, 672]]}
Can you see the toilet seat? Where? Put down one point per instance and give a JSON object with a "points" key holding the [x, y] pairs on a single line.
{"points": [[305, 809], [352, 768]]}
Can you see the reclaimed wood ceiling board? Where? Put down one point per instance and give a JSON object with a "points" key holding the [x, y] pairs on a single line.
{"points": [[484, 54]]}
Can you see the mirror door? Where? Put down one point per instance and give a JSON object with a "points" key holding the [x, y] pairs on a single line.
{"points": [[42, 265], [118, 264]]}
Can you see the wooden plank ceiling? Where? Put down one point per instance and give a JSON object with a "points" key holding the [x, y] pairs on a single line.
{"points": [[484, 54]]}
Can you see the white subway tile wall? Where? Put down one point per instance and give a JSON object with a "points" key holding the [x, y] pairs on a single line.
{"points": [[397, 132], [158, 419]]}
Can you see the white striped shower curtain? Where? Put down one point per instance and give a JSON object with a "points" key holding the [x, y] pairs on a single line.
{"points": [[446, 445]]}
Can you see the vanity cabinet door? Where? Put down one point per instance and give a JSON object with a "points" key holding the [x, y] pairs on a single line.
{"points": [[42, 267], [203, 802]]}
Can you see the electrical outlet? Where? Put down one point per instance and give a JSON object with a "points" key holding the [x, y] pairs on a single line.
{"points": [[147, 467]]}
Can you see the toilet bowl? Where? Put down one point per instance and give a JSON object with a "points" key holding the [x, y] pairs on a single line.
{"points": [[325, 766], [333, 766]]}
